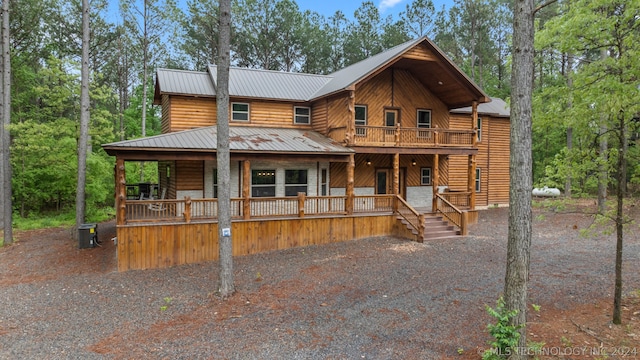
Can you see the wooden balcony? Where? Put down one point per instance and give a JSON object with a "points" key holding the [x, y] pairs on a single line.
{"points": [[386, 136]]}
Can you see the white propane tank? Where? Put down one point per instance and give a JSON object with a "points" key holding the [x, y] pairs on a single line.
{"points": [[546, 192]]}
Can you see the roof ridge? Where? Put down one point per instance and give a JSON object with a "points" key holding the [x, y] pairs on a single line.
{"points": [[181, 70], [275, 71]]}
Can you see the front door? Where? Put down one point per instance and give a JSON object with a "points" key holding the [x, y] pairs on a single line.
{"points": [[384, 182]]}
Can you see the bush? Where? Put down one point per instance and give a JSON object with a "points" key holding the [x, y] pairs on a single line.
{"points": [[505, 335]]}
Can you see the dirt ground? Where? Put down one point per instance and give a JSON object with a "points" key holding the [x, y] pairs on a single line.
{"points": [[381, 298]]}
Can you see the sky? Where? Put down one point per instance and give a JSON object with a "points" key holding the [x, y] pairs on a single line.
{"points": [[386, 7], [329, 7]]}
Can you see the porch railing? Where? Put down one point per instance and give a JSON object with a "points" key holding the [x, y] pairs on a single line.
{"points": [[458, 198], [412, 137], [187, 209], [411, 216], [451, 213]]}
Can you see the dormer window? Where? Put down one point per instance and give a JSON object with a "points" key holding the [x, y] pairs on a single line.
{"points": [[302, 115], [239, 111]]}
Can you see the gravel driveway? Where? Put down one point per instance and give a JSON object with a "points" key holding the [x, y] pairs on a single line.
{"points": [[380, 298]]}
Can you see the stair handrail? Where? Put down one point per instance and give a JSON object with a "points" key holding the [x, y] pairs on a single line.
{"points": [[411, 215], [452, 213]]}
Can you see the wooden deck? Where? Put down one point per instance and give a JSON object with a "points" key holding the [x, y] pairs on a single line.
{"points": [[162, 233]]}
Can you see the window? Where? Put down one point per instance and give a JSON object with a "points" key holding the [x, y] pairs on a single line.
{"points": [[425, 176], [240, 111], [479, 126], [263, 183], [302, 115], [295, 181], [478, 173], [390, 117], [361, 120], [424, 118], [215, 183], [323, 182]]}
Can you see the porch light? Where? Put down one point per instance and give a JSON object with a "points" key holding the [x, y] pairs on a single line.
{"points": [[368, 162], [413, 162]]}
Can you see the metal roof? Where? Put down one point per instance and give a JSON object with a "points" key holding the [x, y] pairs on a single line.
{"points": [[185, 82], [267, 84], [351, 74], [497, 107], [241, 139]]}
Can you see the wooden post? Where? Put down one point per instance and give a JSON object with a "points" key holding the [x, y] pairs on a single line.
{"points": [[396, 178], [464, 220], [246, 189], [436, 180], [121, 193], [474, 123], [351, 165], [471, 185], [351, 124], [301, 197], [187, 209], [421, 228], [397, 134], [435, 135]]}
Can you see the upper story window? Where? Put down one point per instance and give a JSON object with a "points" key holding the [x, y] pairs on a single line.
{"points": [[361, 120], [361, 115], [302, 115], [215, 183], [479, 126], [240, 111], [478, 177], [424, 118], [390, 117]]}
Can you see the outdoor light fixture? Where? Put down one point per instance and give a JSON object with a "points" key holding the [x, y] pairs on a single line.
{"points": [[368, 162], [413, 162]]}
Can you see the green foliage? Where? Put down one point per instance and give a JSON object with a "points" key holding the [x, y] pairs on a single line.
{"points": [[505, 335]]}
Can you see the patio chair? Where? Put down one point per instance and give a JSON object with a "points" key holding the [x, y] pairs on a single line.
{"points": [[160, 206]]}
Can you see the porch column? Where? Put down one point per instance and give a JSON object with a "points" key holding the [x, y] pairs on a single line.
{"points": [[121, 192], [396, 179], [474, 123], [471, 177], [246, 189], [351, 165], [351, 124], [435, 181]]}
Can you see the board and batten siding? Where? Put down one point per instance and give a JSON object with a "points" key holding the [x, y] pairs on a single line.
{"points": [[498, 161]]}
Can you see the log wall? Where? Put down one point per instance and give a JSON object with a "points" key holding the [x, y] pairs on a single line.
{"points": [[165, 245]]}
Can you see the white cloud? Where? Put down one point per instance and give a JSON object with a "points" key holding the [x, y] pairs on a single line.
{"points": [[388, 4]]}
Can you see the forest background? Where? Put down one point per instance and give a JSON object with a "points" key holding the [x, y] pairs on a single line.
{"points": [[585, 79]]}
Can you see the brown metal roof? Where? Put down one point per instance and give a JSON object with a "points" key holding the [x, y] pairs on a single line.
{"points": [[242, 139]]}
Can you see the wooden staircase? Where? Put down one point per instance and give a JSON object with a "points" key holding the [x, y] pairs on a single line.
{"points": [[435, 227]]}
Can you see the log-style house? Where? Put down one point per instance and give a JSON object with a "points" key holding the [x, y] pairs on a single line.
{"points": [[402, 143]]}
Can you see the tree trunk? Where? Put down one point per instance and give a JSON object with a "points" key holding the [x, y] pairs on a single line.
{"points": [[226, 286], [6, 121], [145, 65], [603, 175], [521, 182], [84, 119], [620, 194], [567, 184]]}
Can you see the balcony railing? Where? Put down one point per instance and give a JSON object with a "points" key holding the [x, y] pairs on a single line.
{"points": [[412, 137]]}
